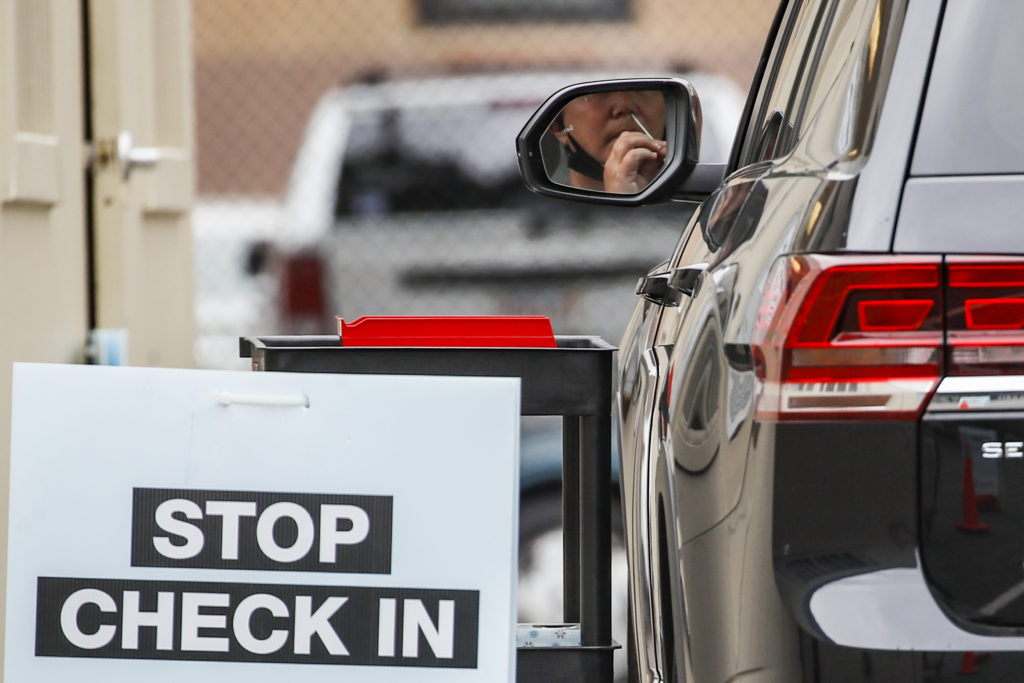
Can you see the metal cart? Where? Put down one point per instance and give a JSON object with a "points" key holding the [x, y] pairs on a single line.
{"points": [[573, 380]]}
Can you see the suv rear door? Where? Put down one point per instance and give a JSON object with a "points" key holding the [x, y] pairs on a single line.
{"points": [[694, 472], [796, 166]]}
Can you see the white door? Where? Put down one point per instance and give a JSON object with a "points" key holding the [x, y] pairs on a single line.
{"points": [[143, 123]]}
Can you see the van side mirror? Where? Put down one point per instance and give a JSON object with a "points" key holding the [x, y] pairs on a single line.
{"points": [[626, 142]]}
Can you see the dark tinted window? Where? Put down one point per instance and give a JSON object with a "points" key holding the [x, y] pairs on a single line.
{"points": [[430, 159], [393, 182], [975, 106]]}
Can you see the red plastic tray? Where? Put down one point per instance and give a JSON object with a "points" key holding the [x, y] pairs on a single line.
{"points": [[447, 331]]}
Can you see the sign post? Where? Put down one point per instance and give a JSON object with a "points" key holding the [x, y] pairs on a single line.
{"points": [[173, 524]]}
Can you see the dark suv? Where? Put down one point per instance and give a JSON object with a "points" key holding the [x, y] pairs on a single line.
{"points": [[821, 391]]}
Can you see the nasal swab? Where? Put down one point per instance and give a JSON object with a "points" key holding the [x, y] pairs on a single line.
{"points": [[642, 127]]}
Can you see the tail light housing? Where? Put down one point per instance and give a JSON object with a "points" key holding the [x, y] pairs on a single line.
{"points": [[841, 337], [985, 316], [869, 337]]}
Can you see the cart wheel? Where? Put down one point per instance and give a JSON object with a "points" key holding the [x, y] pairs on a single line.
{"points": [[539, 596]]}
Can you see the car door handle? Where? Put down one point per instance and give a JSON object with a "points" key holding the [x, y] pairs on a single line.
{"points": [[668, 288]]}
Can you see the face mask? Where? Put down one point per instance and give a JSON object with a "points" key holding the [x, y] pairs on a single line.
{"points": [[581, 161]]}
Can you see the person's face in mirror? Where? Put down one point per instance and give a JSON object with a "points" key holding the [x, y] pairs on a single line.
{"points": [[615, 141]]}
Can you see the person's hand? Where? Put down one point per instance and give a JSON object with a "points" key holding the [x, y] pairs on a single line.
{"points": [[633, 162]]}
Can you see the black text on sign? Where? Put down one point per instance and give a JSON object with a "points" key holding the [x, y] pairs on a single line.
{"points": [[208, 621], [261, 530]]}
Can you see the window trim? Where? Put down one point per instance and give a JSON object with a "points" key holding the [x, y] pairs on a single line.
{"points": [[755, 84], [455, 13], [810, 53], [823, 31]]}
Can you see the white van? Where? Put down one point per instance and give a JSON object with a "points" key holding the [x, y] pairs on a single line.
{"points": [[405, 199]]}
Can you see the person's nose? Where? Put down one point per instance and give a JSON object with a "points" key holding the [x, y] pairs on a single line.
{"points": [[620, 104]]}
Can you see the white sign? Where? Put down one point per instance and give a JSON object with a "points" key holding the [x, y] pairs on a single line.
{"points": [[181, 525]]}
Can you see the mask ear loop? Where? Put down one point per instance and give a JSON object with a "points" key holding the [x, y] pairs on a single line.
{"points": [[580, 161]]}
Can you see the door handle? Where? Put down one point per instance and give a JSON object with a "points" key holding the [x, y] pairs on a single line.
{"points": [[132, 157], [668, 288]]}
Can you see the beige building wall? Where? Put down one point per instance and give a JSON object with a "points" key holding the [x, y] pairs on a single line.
{"points": [[43, 282], [261, 65]]}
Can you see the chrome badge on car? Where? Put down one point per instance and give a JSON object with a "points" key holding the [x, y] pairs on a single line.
{"points": [[1002, 449]]}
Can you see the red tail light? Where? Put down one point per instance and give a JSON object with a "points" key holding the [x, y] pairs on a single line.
{"points": [[304, 295], [843, 337], [986, 316]]}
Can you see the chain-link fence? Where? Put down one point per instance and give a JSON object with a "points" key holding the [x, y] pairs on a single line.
{"points": [[357, 158]]}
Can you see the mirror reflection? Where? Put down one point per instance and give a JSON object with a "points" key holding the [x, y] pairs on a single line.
{"points": [[609, 141]]}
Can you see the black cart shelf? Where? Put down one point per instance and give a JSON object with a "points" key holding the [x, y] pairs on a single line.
{"points": [[573, 380]]}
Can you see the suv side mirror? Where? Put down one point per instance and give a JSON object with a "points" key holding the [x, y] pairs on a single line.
{"points": [[626, 142]]}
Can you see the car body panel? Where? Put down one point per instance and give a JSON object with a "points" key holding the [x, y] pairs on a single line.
{"points": [[633, 417], [984, 219]]}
